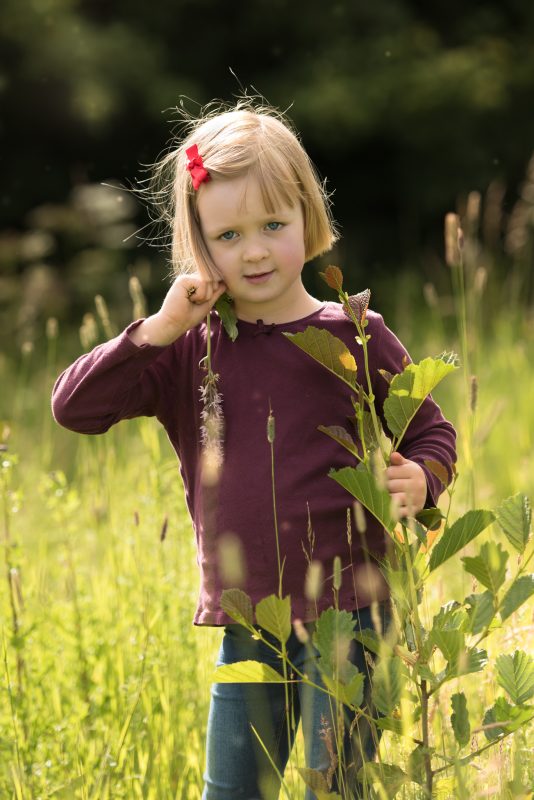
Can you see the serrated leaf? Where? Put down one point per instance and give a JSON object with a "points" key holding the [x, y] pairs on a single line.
{"points": [[348, 691], [274, 615], [387, 683], [334, 631], [415, 765], [341, 436], [460, 533], [389, 776], [361, 484], [489, 567], [333, 277], [431, 518], [512, 717], [373, 642], [467, 662], [450, 617], [328, 350], [391, 724], [426, 674], [225, 309], [514, 516], [359, 303], [397, 580], [481, 612], [353, 690], [314, 780], [450, 642], [460, 719], [409, 388], [246, 672], [520, 590], [515, 673], [238, 605]]}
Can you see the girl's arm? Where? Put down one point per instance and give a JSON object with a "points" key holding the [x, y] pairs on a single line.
{"points": [[135, 373], [430, 437]]}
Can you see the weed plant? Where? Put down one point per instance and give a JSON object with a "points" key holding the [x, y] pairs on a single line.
{"points": [[105, 683]]}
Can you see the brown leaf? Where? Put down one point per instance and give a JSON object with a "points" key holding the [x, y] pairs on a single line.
{"points": [[359, 304], [439, 471], [388, 377], [333, 277]]}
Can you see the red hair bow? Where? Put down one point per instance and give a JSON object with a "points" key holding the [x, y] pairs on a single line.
{"points": [[195, 165]]}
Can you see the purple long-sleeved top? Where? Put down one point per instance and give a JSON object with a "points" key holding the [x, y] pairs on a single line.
{"points": [[262, 369]]}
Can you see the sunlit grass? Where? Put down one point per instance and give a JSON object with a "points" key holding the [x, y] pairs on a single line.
{"points": [[105, 686]]}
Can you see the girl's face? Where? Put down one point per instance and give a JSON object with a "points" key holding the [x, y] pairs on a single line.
{"points": [[260, 256]]}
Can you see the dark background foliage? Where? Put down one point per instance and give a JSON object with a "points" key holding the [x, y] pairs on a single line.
{"points": [[405, 106]]}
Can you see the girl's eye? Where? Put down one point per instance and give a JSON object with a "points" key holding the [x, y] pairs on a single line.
{"points": [[274, 226], [227, 236]]}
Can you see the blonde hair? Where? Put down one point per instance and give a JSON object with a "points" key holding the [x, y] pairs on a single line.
{"points": [[245, 139]]}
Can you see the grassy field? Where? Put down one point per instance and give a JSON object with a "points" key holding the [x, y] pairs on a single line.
{"points": [[105, 683]]}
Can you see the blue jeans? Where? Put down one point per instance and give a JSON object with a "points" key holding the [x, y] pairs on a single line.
{"points": [[237, 767]]}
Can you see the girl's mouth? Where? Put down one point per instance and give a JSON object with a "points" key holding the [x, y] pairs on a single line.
{"points": [[261, 277]]}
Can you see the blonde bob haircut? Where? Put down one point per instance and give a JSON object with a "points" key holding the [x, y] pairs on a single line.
{"points": [[246, 139]]}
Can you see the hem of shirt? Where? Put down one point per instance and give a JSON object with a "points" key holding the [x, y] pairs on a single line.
{"points": [[302, 610]]}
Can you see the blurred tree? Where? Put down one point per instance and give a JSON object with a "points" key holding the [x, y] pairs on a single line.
{"points": [[404, 105]]}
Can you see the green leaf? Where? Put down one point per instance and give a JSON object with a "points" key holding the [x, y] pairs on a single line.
{"points": [[225, 309], [430, 517], [426, 674], [460, 533], [348, 691], [451, 643], [274, 615], [373, 642], [389, 776], [450, 617], [314, 780], [387, 683], [481, 612], [489, 567], [516, 675], [328, 350], [238, 605], [513, 717], [333, 634], [409, 388], [514, 516], [397, 580], [246, 672], [520, 590], [467, 661], [361, 484], [460, 719], [341, 436], [391, 724], [415, 765]]}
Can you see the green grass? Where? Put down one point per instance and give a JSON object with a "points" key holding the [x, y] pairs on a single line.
{"points": [[104, 687]]}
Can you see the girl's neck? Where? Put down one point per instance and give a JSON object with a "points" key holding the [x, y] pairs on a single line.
{"points": [[288, 309]]}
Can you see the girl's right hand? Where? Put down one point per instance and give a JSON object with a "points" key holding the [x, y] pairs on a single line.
{"points": [[186, 304]]}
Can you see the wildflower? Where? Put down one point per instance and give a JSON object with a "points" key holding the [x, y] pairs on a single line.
{"points": [[212, 428]]}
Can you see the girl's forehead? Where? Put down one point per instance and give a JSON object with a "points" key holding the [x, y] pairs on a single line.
{"points": [[226, 198]]}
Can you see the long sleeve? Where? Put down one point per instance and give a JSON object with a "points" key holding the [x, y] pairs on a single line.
{"points": [[429, 437], [116, 380]]}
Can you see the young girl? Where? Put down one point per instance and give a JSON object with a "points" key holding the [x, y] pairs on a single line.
{"points": [[248, 211]]}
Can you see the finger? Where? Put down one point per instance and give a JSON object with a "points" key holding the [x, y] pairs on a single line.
{"points": [[397, 487], [397, 459]]}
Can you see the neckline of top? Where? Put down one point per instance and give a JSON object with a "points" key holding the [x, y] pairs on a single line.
{"points": [[253, 327]]}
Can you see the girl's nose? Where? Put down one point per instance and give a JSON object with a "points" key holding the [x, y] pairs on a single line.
{"points": [[254, 251]]}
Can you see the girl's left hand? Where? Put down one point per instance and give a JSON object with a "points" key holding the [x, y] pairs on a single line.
{"points": [[406, 483]]}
